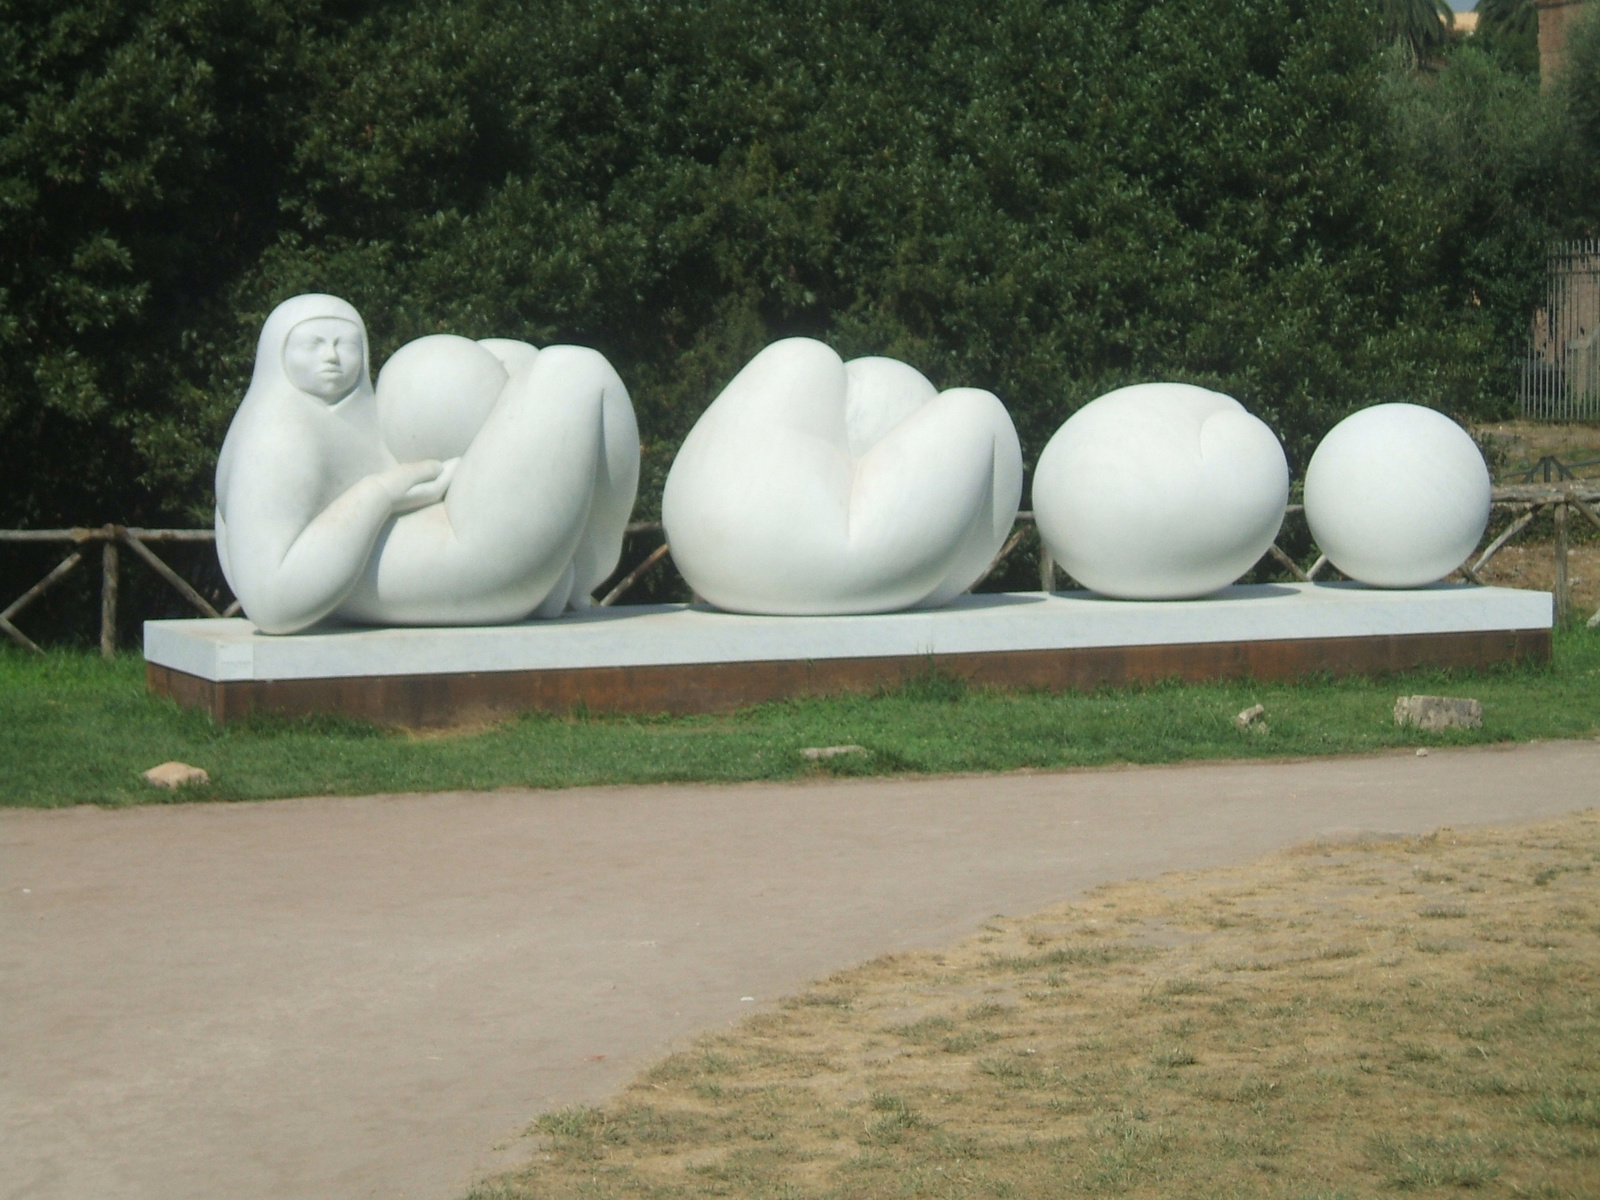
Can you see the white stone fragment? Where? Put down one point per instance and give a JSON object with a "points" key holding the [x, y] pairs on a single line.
{"points": [[1397, 495], [1438, 712], [1250, 716], [812, 486], [175, 774], [815, 753], [1160, 491]]}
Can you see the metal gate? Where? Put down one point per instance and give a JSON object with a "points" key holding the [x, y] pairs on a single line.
{"points": [[1561, 374]]}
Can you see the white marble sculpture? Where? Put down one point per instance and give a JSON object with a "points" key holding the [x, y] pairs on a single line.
{"points": [[480, 483], [816, 486], [1397, 495], [1159, 492]]}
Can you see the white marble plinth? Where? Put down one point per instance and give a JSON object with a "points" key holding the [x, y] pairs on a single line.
{"points": [[666, 635]]}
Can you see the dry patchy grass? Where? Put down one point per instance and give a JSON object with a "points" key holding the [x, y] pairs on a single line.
{"points": [[1342, 1020], [1532, 564], [1516, 444]]}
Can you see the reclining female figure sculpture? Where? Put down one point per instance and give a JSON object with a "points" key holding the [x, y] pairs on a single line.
{"points": [[480, 483]]}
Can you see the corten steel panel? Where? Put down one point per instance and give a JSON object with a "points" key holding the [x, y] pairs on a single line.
{"points": [[417, 701]]}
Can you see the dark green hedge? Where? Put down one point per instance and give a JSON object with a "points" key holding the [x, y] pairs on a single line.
{"points": [[1047, 199]]}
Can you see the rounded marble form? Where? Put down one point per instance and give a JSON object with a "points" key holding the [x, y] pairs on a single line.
{"points": [[815, 486], [1160, 491], [435, 393], [1397, 495]]}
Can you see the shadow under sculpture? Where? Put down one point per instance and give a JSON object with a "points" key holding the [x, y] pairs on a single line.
{"points": [[813, 486], [479, 483]]}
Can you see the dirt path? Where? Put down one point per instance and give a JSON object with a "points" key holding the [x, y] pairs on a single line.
{"points": [[370, 997]]}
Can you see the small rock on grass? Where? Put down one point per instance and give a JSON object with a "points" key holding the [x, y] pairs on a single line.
{"points": [[813, 753], [175, 775], [1438, 712], [1250, 719]]}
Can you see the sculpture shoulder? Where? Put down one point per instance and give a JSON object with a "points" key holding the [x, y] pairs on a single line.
{"points": [[279, 444]]}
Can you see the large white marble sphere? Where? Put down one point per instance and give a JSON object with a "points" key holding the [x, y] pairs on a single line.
{"points": [[1397, 495], [816, 486], [1160, 491], [480, 483]]}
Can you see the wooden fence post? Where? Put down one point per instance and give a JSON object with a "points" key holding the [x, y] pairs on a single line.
{"points": [[108, 599], [632, 577], [1285, 561], [1047, 568], [1563, 590], [131, 539]]}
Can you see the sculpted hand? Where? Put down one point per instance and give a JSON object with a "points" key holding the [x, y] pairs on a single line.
{"points": [[415, 485], [432, 491]]}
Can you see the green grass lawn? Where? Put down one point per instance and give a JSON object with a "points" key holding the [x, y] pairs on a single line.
{"points": [[77, 730]]}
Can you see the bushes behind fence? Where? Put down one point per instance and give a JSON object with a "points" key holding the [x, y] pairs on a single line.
{"points": [[1043, 198]]}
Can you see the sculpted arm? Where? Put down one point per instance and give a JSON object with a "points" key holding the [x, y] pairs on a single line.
{"points": [[294, 551]]}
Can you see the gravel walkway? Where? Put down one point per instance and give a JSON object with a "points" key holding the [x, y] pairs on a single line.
{"points": [[371, 997]]}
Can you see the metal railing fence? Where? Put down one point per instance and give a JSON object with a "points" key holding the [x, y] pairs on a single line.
{"points": [[1561, 372]]}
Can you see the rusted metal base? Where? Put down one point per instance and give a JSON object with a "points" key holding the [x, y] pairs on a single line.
{"points": [[420, 701]]}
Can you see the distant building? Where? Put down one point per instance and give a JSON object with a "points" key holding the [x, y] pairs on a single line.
{"points": [[1556, 18]]}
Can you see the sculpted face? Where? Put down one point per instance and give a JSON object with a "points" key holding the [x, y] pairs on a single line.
{"points": [[323, 356]]}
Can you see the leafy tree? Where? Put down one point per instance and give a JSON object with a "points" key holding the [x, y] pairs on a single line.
{"points": [[1510, 29], [1577, 92], [1420, 27], [1514, 16], [141, 154], [1048, 198], [1487, 146]]}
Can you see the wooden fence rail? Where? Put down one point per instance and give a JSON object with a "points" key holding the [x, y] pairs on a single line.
{"points": [[111, 539], [1527, 501]]}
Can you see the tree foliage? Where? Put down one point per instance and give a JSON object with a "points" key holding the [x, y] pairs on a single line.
{"points": [[1047, 198], [142, 148], [1510, 29], [1510, 167], [1577, 93], [1419, 27]]}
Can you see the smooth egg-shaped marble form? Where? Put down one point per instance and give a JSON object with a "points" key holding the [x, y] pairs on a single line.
{"points": [[1160, 491], [1397, 495], [435, 393], [483, 482], [816, 486]]}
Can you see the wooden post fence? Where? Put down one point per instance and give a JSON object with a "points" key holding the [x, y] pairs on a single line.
{"points": [[1527, 500], [112, 538]]}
